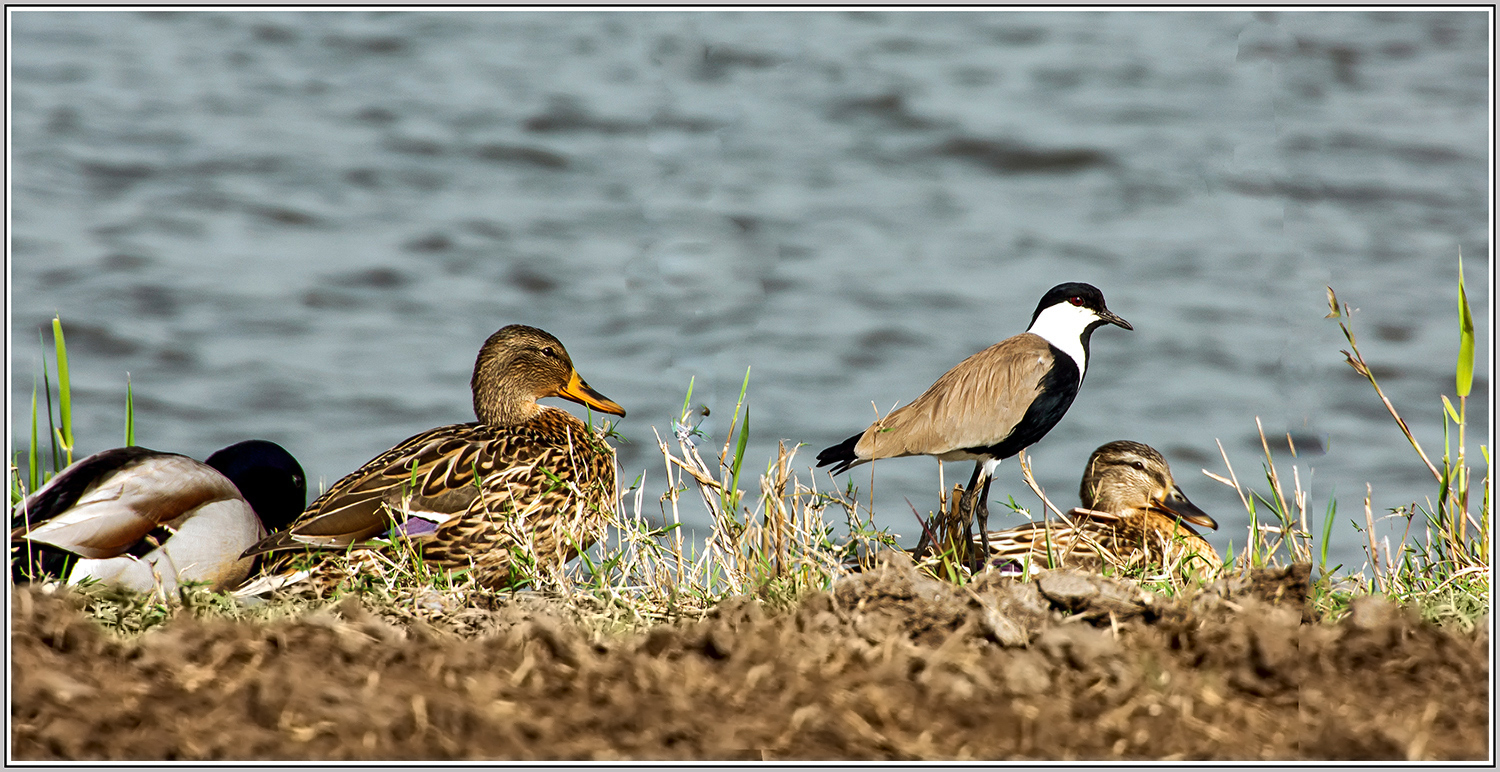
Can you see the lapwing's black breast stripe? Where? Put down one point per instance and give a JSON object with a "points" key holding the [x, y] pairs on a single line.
{"points": [[1059, 387]]}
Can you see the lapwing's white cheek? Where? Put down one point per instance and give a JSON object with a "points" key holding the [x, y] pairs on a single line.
{"points": [[1062, 325]]}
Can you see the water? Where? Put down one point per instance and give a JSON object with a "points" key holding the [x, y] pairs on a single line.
{"points": [[301, 226]]}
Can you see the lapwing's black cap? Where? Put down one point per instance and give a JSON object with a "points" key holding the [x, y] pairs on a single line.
{"points": [[1082, 295]]}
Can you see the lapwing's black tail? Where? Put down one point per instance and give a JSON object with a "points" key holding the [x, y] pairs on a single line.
{"points": [[841, 454]]}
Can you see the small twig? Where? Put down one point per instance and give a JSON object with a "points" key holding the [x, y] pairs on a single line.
{"points": [[1271, 471], [1370, 535], [1233, 480], [698, 475], [672, 494], [928, 537], [1357, 362], [1031, 483]]}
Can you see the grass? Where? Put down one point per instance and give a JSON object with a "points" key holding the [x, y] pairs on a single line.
{"points": [[775, 538], [776, 545], [1441, 564]]}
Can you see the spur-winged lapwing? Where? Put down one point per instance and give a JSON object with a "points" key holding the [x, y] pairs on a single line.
{"points": [[997, 402]]}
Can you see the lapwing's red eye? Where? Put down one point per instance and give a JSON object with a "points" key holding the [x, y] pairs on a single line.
{"points": [[1076, 301]]}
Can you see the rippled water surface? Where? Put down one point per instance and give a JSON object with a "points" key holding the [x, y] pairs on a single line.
{"points": [[301, 226]]}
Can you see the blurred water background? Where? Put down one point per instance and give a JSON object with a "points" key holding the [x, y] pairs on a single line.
{"points": [[301, 226]]}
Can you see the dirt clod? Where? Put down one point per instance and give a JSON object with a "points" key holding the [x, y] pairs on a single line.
{"points": [[889, 665]]}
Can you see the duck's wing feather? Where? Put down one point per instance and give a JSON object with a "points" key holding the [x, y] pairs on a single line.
{"points": [[542, 488], [433, 470], [104, 504], [64, 489], [548, 501], [1086, 533]]}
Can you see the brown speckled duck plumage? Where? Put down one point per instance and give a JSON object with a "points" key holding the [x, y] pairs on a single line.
{"points": [[1134, 518], [524, 488]]}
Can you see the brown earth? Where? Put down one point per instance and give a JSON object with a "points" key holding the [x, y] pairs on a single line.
{"points": [[889, 665]]}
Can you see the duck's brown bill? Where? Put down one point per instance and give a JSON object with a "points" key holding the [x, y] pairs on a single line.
{"points": [[580, 392], [1177, 504]]}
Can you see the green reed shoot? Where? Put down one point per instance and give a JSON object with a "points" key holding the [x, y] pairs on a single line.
{"points": [[1327, 534], [732, 496], [687, 400], [129, 412], [64, 391], [60, 433], [1454, 553], [33, 474], [51, 423]]}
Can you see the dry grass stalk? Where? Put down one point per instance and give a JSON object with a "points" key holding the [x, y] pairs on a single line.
{"points": [[776, 545]]}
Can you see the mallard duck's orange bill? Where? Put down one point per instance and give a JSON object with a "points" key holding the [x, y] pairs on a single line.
{"points": [[580, 392], [1177, 504]]}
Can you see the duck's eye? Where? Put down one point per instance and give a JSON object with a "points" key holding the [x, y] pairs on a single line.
{"points": [[1138, 466], [548, 352], [1076, 301]]}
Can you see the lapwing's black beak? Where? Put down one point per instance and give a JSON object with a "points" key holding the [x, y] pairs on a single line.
{"points": [[1114, 318], [1176, 504]]}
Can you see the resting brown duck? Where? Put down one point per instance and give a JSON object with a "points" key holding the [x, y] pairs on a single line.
{"points": [[525, 487], [1134, 517]]}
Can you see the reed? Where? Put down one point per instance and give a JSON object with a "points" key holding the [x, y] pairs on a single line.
{"points": [[59, 427], [774, 541], [1440, 564]]}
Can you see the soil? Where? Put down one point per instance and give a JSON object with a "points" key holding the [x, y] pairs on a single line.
{"points": [[889, 665]]}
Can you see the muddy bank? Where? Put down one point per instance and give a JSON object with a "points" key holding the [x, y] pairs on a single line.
{"points": [[887, 666]]}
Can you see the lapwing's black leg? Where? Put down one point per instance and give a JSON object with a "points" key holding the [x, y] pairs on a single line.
{"points": [[923, 542], [966, 509], [984, 521]]}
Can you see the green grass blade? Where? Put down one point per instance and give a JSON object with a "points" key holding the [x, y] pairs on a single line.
{"points": [[51, 426], [64, 391], [33, 474], [744, 386], [1450, 410], [17, 485], [738, 403], [686, 401], [1465, 369], [1327, 533], [739, 455], [129, 413]]}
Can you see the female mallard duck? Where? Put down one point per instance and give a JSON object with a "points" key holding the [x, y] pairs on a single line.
{"points": [[525, 483], [1133, 516], [144, 519]]}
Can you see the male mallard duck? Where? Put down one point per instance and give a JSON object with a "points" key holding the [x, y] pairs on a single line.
{"points": [[1133, 515], [144, 519], [526, 480]]}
